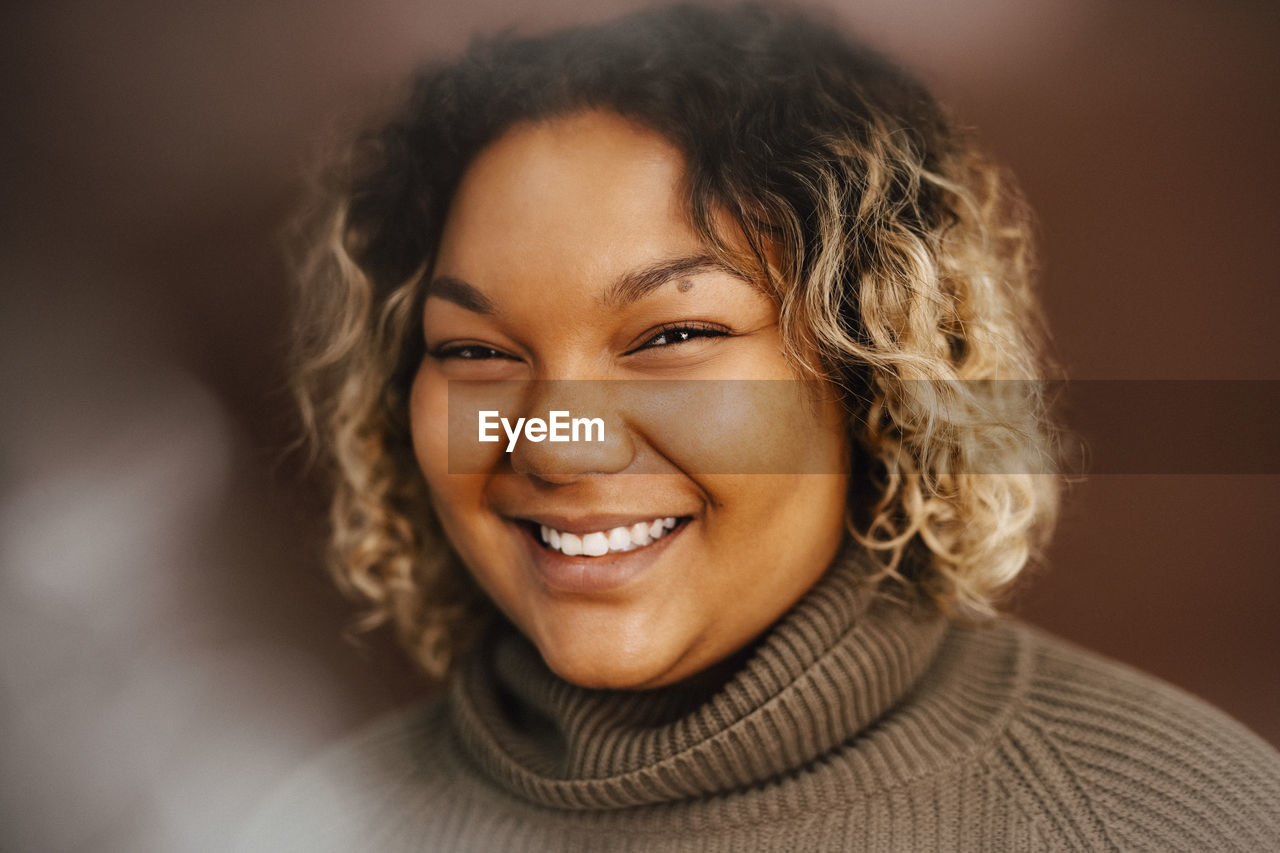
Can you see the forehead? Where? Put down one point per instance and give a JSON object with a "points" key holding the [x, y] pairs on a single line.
{"points": [[589, 194]]}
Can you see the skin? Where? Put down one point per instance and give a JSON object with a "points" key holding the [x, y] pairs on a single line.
{"points": [[546, 224]]}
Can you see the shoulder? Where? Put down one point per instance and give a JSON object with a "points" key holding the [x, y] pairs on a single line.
{"points": [[333, 802], [1106, 756]]}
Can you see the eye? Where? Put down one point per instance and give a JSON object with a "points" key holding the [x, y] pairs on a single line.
{"points": [[468, 352], [679, 333]]}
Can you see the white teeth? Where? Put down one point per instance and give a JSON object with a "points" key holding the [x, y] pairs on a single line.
{"points": [[570, 544], [595, 545], [619, 539], [640, 534], [613, 541]]}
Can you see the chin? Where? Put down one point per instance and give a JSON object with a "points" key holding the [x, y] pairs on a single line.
{"points": [[605, 666], [605, 678]]}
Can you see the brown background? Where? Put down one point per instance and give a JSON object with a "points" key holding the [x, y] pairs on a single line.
{"points": [[170, 644]]}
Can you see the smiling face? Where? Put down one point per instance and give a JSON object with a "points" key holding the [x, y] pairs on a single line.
{"points": [[567, 254]]}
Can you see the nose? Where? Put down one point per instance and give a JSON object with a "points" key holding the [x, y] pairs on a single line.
{"points": [[587, 433]]}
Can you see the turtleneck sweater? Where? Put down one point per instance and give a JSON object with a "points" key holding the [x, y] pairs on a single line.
{"points": [[856, 723]]}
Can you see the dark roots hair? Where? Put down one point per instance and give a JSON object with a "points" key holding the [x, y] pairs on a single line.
{"points": [[899, 257]]}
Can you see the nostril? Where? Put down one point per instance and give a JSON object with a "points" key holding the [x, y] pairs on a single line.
{"points": [[544, 479]]}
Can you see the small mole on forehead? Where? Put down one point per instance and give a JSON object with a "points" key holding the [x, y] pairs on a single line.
{"points": [[685, 286]]}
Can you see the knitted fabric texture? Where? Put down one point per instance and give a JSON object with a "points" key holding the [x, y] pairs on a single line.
{"points": [[854, 724]]}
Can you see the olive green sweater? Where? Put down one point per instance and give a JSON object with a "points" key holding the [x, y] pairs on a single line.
{"points": [[853, 725]]}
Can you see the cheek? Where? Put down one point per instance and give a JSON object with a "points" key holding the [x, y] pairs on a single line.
{"points": [[429, 423], [780, 427], [458, 499], [455, 497]]}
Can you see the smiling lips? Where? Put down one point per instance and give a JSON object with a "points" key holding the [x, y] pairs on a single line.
{"points": [[616, 540]]}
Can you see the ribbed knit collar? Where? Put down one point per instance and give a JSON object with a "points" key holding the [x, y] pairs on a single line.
{"points": [[833, 665]]}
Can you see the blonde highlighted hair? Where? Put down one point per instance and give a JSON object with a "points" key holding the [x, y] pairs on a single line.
{"points": [[899, 257]]}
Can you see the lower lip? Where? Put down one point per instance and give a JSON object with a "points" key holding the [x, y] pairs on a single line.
{"points": [[588, 575]]}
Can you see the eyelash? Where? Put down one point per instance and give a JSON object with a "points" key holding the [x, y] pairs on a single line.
{"points": [[456, 351], [685, 332]]}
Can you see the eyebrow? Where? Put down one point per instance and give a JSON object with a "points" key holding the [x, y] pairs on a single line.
{"points": [[637, 284], [460, 293], [628, 288]]}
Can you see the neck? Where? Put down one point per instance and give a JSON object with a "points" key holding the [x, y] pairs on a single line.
{"points": [[828, 669]]}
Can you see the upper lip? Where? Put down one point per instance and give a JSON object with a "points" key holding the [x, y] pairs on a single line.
{"points": [[581, 524]]}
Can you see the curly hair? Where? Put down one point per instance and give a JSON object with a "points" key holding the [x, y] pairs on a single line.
{"points": [[900, 260]]}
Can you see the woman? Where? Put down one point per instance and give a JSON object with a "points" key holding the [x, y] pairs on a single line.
{"points": [[754, 610]]}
